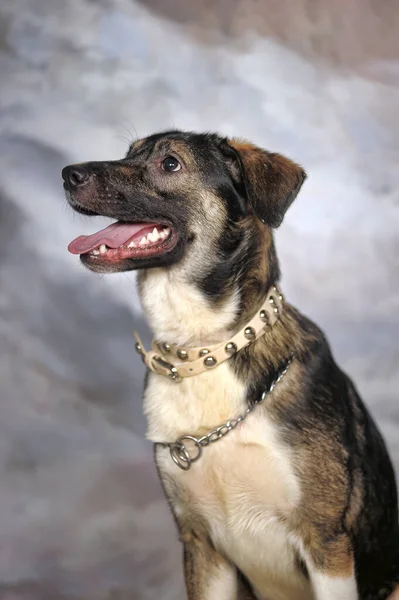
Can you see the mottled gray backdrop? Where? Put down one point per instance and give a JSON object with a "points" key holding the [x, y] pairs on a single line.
{"points": [[81, 513]]}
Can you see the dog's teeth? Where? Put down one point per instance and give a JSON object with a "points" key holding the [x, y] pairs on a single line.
{"points": [[150, 237], [95, 252], [166, 231], [155, 235], [143, 241], [132, 245], [103, 249]]}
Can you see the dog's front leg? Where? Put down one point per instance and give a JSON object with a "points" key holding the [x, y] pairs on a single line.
{"points": [[331, 569], [208, 575], [327, 587]]}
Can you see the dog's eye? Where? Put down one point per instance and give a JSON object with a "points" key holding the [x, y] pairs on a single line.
{"points": [[171, 164]]}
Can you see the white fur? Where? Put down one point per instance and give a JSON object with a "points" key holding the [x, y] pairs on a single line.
{"points": [[179, 313], [222, 584], [240, 486], [333, 588], [243, 485]]}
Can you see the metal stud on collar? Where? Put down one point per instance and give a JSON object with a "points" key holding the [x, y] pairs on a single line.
{"points": [[250, 333], [204, 352], [182, 354], [230, 348], [210, 361]]}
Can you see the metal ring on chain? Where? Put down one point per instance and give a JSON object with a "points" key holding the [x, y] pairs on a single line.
{"points": [[179, 450], [180, 453], [180, 456]]}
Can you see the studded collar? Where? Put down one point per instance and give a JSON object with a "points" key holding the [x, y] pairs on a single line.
{"points": [[176, 362]]}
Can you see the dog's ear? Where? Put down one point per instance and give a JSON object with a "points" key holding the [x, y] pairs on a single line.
{"points": [[269, 181]]}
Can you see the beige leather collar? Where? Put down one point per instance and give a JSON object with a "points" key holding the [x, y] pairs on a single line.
{"points": [[194, 361]]}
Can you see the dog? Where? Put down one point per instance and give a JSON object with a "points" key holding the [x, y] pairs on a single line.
{"points": [[278, 479]]}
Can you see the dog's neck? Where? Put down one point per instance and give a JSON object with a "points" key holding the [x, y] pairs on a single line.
{"points": [[175, 300], [179, 313]]}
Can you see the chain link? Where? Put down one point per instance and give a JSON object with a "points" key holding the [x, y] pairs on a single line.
{"points": [[180, 449]]}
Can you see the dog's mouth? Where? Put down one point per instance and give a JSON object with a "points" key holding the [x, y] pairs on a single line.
{"points": [[124, 240]]}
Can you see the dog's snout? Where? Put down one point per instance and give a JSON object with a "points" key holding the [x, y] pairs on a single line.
{"points": [[75, 175]]}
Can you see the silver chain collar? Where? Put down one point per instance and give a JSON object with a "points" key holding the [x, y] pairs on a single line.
{"points": [[180, 449]]}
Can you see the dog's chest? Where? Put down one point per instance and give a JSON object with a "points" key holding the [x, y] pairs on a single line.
{"points": [[242, 488]]}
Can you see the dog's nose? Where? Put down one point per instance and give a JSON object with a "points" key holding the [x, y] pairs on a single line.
{"points": [[75, 175]]}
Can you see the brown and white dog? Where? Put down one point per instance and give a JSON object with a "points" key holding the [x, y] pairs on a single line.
{"points": [[298, 501]]}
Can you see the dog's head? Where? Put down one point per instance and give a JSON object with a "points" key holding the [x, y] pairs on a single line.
{"points": [[177, 195]]}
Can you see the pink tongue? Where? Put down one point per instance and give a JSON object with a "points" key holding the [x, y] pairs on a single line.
{"points": [[113, 236]]}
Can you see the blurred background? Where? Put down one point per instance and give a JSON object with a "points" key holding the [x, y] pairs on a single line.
{"points": [[81, 512]]}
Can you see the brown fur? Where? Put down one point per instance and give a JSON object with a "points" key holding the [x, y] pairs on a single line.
{"points": [[307, 471], [267, 170]]}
